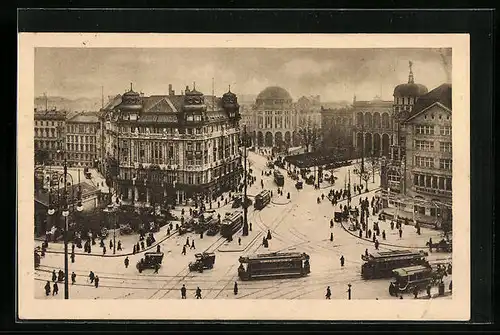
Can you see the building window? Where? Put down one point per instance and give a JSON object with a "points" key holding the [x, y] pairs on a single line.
{"points": [[445, 146], [427, 162], [424, 130], [424, 145], [445, 164], [445, 130]]}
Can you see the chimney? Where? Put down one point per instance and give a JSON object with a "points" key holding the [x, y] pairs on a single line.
{"points": [[170, 89]]}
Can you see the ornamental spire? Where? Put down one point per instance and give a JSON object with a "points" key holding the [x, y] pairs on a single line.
{"points": [[410, 76]]}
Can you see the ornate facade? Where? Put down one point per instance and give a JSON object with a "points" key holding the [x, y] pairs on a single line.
{"points": [[172, 147], [337, 126], [49, 129], [83, 140]]}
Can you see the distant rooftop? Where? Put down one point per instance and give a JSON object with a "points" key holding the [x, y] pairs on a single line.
{"points": [[84, 117]]}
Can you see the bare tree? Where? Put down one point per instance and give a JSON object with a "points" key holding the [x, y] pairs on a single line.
{"points": [[309, 133]]}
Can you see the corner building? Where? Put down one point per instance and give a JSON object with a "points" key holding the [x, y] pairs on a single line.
{"points": [[171, 148]]}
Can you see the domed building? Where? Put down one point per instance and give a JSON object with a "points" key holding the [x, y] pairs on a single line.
{"points": [[276, 118]]}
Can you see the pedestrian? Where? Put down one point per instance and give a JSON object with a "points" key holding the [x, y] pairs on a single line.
{"points": [[157, 267], [360, 233], [450, 287], [383, 234], [415, 292], [392, 225], [269, 235], [374, 238], [119, 245], [55, 289], [198, 293], [235, 289], [110, 244], [91, 277], [158, 248], [331, 237], [239, 240], [328, 293], [54, 276], [96, 281], [126, 262], [366, 252], [342, 260], [134, 250], [184, 250], [376, 244], [72, 257], [331, 223], [72, 248], [370, 233], [142, 245], [400, 297], [187, 241], [183, 292], [137, 247], [349, 291], [104, 250], [47, 288], [400, 233]]}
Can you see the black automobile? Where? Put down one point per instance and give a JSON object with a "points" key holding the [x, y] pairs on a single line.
{"points": [[299, 185], [150, 261]]}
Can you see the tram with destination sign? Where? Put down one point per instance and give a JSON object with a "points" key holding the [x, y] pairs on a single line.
{"points": [[231, 223], [381, 264], [274, 265], [262, 199]]}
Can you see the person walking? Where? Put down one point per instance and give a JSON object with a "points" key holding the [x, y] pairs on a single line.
{"points": [[47, 288], [96, 281], [400, 232], [429, 291], [376, 244], [158, 248], [54, 276], [239, 240], [157, 267], [183, 291], [383, 234], [235, 289], [328, 293], [91, 277], [142, 245], [126, 262], [342, 260], [73, 277], [110, 244], [331, 237], [184, 250], [192, 245], [349, 291], [104, 250], [134, 250], [72, 257], [198, 293], [415, 292], [55, 289], [119, 247]]}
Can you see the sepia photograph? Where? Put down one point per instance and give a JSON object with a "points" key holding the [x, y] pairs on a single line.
{"points": [[244, 173]]}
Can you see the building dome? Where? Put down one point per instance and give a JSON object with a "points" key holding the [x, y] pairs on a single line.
{"points": [[274, 93], [410, 90], [131, 99]]}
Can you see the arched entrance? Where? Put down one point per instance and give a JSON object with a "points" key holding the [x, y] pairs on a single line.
{"points": [[376, 120], [376, 144], [260, 139], [268, 142], [385, 145], [288, 139], [278, 139], [368, 144]]}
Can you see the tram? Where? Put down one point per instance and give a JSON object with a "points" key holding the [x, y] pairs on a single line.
{"points": [[231, 224], [262, 199], [274, 265], [278, 178], [381, 264]]}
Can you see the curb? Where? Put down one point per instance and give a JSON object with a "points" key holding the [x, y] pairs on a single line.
{"points": [[281, 204], [121, 255], [240, 250]]}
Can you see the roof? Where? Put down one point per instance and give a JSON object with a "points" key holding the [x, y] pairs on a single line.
{"points": [[113, 102], [410, 90], [50, 114], [274, 93], [375, 102], [441, 95], [411, 270], [394, 253], [84, 117], [87, 190], [276, 255]]}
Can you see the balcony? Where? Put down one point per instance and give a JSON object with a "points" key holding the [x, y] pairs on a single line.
{"points": [[428, 190]]}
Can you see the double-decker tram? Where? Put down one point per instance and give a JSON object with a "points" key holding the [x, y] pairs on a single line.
{"points": [[262, 199], [278, 178], [381, 264], [231, 223], [274, 265]]}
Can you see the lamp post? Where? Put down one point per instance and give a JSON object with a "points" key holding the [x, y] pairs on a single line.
{"points": [[65, 213], [245, 209], [110, 210]]}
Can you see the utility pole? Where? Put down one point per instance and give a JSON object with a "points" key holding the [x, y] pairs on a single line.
{"points": [[245, 209], [102, 97], [66, 210], [362, 146]]}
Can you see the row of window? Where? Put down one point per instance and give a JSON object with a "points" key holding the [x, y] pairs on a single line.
{"points": [[429, 146], [163, 130], [48, 123], [81, 157], [45, 132], [430, 130], [404, 100], [47, 145], [432, 182], [428, 162], [82, 128], [80, 147], [81, 139]]}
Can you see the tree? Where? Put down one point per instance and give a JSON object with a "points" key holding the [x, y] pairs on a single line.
{"points": [[41, 156], [309, 134]]}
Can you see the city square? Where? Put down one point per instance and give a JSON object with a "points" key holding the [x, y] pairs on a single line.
{"points": [[126, 195]]}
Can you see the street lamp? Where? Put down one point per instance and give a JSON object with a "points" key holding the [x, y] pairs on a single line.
{"points": [[65, 213], [245, 209], [110, 210]]}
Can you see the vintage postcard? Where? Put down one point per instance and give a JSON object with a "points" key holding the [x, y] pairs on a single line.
{"points": [[243, 177]]}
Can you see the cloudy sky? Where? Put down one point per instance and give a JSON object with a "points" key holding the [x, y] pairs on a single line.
{"points": [[334, 74]]}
